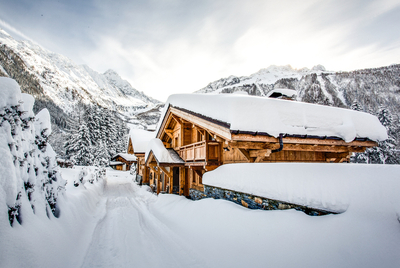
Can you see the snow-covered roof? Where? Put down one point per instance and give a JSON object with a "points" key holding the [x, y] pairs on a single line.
{"points": [[290, 93], [325, 186], [115, 163], [140, 139], [127, 157], [162, 154], [274, 116]]}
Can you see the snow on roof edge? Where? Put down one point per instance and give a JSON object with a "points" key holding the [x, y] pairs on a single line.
{"points": [[280, 116]]}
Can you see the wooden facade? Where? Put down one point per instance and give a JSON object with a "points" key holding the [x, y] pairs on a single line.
{"points": [[205, 143], [141, 168]]}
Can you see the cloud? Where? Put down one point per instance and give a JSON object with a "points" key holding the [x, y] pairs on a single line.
{"points": [[15, 32], [170, 46]]}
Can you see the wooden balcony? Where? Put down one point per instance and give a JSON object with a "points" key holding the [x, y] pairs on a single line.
{"points": [[203, 151]]}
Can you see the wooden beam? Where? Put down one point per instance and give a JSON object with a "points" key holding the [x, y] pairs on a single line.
{"points": [[198, 171], [258, 153], [259, 159], [164, 123], [260, 138], [212, 127], [170, 135], [246, 154], [152, 168], [218, 138], [176, 118], [322, 148], [168, 173], [250, 145]]}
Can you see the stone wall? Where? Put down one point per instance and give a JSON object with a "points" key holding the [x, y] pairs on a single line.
{"points": [[196, 194], [251, 201]]}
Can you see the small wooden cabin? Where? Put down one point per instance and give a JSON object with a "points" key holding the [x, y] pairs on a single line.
{"points": [[207, 131], [122, 161], [164, 164]]}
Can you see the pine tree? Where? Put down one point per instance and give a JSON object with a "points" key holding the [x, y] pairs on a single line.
{"points": [[385, 152], [101, 155], [356, 106], [83, 146], [91, 117]]}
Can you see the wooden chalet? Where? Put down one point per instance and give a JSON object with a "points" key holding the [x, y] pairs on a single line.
{"points": [[122, 161], [165, 165], [203, 130], [137, 144]]}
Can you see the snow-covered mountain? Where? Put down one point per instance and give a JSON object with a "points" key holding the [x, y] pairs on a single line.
{"points": [[257, 83], [368, 88], [52, 77]]}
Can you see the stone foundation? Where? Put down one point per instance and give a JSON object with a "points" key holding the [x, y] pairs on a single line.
{"points": [[253, 202], [196, 194]]}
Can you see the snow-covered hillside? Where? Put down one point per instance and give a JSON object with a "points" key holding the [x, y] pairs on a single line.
{"points": [[47, 74]]}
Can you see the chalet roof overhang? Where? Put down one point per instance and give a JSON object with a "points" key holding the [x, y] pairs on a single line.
{"points": [[126, 157], [223, 130], [214, 126], [153, 159]]}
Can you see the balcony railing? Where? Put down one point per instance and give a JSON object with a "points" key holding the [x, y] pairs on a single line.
{"points": [[200, 151]]}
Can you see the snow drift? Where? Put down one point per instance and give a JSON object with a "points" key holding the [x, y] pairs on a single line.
{"points": [[327, 186]]}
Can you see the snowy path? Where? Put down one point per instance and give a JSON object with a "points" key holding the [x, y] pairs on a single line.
{"points": [[130, 236]]}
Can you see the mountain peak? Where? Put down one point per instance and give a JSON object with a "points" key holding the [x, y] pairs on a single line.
{"points": [[318, 67], [277, 68], [111, 72]]}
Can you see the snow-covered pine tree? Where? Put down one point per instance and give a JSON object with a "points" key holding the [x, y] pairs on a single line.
{"points": [[109, 132], [101, 155], [100, 129], [385, 152], [91, 117], [356, 106], [29, 177], [82, 146]]}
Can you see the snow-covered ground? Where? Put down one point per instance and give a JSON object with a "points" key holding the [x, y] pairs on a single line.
{"points": [[116, 223]]}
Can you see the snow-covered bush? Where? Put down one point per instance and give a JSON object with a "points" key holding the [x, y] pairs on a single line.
{"points": [[88, 175], [28, 171]]}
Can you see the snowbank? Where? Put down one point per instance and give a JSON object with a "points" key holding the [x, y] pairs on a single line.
{"points": [[333, 187], [45, 241], [272, 116], [10, 93]]}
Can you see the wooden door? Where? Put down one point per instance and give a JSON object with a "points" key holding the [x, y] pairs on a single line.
{"points": [[175, 180]]}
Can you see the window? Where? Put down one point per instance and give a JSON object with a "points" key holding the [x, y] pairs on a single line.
{"points": [[193, 174], [199, 136]]}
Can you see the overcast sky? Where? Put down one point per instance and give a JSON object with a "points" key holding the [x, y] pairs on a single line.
{"points": [[173, 46]]}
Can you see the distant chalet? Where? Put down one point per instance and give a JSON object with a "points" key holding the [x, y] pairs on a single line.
{"points": [[199, 132]]}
